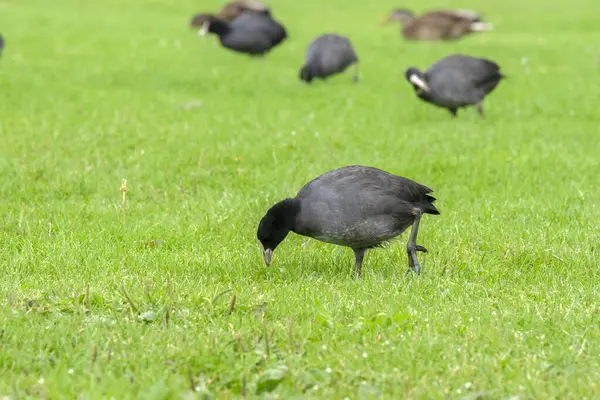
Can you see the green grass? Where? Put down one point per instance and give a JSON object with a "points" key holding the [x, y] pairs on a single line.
{"points": [[96, 91]]}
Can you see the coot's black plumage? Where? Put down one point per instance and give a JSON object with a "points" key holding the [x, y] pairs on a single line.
{"points": [[250, 33], [1, 44], [456, 81], [327, 55], [355, 206]]}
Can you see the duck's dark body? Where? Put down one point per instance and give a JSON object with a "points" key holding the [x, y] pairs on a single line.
{"points": [[458, 81], [356, 206], [327, 55]]}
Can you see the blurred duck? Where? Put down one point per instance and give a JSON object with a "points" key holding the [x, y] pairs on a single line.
{"points": [[438, 24], [234, 9]]}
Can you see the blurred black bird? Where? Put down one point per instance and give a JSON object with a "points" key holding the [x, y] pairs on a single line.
{"points": [[456, 81], [355, 206], [327, 55], [1, 44], [438, 24], [250, 33]]}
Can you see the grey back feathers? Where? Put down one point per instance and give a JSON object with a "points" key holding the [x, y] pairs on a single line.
{"points": [[360, 206], [327, 55], [254, 34], [457, 81]]}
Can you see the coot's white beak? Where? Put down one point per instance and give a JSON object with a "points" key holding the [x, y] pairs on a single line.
{"points": [[203, 29], [415, 80], [267, 253]]}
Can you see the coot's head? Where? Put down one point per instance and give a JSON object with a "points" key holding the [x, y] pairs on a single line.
{"points": [[201, 22], [306, 74], [401, 15], [417, 79], [206, 23], [275, 225]]}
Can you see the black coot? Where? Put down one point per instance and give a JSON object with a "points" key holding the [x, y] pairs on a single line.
{"points": [[328, 55], [456, 81], [1, 44], [355, 206], [250, 33]]}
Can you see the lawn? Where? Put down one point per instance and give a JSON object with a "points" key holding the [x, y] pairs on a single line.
{"points": [[171, 298]]}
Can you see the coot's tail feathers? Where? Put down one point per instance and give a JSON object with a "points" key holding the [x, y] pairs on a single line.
{"points": [[428, 207]]}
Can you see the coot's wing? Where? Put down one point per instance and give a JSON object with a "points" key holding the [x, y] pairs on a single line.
{"points": [[249, 33], [336, 53], [262, 23], [356, 193], [313, 50], [360, 206], [245, 41], [477, 70], [462, 79]]}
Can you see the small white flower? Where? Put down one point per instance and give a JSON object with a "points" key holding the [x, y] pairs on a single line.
{"points": [[364, 355], [468, 385], [458, 391], [328, 370], [41, 381], [71, 371], [324, 347]]}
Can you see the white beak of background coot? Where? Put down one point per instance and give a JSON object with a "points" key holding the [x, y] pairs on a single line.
{"points": [[414, 79], [203, 29]]}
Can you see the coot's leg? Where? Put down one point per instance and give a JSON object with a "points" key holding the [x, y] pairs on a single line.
{"points": [[359, 254], [412, 247], [453, 111], [480, 109], [356, 72]]}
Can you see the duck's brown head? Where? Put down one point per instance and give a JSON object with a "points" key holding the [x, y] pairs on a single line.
{"points": [[236, 8], [402, 15]]}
